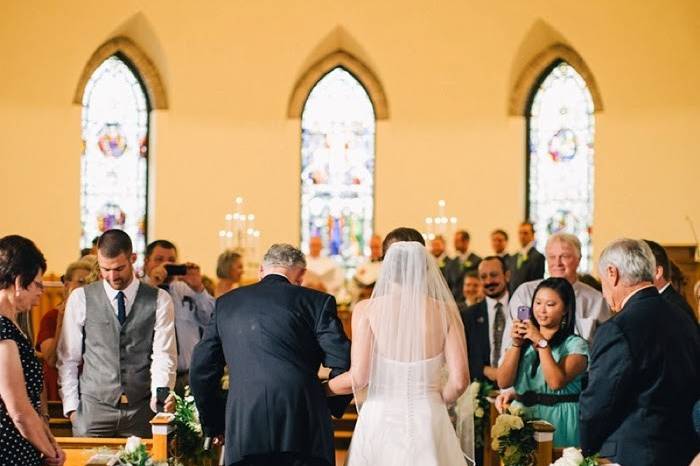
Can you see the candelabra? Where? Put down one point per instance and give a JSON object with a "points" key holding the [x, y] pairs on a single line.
{"points": [[241, 236], [441, 225]]}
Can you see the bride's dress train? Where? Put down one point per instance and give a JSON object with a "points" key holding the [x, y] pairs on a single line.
{"points": [[405, 422]]}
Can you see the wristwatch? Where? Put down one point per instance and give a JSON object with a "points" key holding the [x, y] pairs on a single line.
{"points": [[542, 344]]}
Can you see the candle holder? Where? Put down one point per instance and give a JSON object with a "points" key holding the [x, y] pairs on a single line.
{"points": [[240, 235], [440, 225]]}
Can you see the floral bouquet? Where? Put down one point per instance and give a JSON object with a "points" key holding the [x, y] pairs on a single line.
{"points": [[188, 439], [573, 457], [134, 453], [513, 438], [478, 393]]}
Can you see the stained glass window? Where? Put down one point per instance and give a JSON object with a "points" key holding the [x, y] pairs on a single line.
{"points": [[114, 163], [560, 136], [337, 167]]}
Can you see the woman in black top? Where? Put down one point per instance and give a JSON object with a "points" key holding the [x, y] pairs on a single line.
{"points": [[25, 438]]}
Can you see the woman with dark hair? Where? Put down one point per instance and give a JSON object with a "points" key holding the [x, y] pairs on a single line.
{"points": [[25, 438], [546, 361]]}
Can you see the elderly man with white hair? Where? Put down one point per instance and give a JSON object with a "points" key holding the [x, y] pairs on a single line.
{"points": [[563, 254], [644, 375]]}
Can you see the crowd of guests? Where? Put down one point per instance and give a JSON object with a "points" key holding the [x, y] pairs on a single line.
{"points": [[117, 341]]}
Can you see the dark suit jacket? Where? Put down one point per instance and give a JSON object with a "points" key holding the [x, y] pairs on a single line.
{"points": [[476, 327], [455, 270], [273, 336], [644, 379], [531, 269], [674, 298]]}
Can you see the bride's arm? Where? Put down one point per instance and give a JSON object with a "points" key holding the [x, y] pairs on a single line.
{"points": [[360, 352], [456, 359]]}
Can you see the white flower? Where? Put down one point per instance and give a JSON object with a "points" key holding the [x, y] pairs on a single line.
{"points": [[479, 412], [570, 457], [132, 444], [189, 399]]}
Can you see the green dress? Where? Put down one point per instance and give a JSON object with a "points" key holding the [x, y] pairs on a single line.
{"points": [[564, 416]]}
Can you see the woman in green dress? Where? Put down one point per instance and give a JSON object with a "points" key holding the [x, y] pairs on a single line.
{"points": [[546, 362]]}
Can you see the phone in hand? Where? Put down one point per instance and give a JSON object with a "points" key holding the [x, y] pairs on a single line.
{"points": [[524, 313], [161, 395], [176, 269]]}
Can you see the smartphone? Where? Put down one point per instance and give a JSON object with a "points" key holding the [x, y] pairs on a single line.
{"points": [[161, 395], [524, 313], [176, 269]]}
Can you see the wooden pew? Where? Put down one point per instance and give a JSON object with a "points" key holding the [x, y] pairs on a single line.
{"points": [[80, 449]]}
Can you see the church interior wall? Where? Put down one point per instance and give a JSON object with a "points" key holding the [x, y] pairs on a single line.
{"points": [[448, 70]]}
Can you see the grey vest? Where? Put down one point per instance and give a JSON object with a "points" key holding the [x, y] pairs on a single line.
{"points": [[117, 359]]}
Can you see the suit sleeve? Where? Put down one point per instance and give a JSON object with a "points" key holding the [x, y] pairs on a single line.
{"points": [[538, 267], [602, 403], [206, 369], [336, 351]]}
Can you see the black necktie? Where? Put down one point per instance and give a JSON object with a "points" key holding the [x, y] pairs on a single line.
{"points": [[121, 308], [499, 324]]}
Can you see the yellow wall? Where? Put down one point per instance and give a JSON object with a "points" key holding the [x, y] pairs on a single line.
{"points": [[447, 67]]}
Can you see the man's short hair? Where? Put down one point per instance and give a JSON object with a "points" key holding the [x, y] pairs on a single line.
{"points": [[632, 258], [463, 234], [224, 262], [661, 258], [501, 261], [498, 231], [284, 255], [529, 223], [112, 243], [19, 258], [163, 243], [566, 238], [401, 234]]}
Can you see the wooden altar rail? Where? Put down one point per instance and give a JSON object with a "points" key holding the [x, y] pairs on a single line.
{"points": [[544, 436]]}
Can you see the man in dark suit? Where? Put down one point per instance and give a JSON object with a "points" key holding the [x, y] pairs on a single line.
{"points": [[273, 336], [485, 322], [528, 263], [644, 376], [464, 262], [499, 244], [662, 280]]}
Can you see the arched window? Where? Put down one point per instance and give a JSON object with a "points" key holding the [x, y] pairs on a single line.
{"points": [[561, 130], [114, 163], [337, 166]]}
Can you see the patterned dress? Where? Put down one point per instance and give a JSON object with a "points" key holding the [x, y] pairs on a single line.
{"points": [[15, 450]]}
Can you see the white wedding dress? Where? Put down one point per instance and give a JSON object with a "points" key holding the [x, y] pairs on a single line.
{"points": [[404, 327], [406, 423]]}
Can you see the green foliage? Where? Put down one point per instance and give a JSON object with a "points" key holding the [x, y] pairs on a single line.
{"points": [[187, 447], [513, 438], [482, 408]]}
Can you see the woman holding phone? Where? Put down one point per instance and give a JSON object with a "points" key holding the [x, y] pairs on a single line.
{"points": [[546, 361]]}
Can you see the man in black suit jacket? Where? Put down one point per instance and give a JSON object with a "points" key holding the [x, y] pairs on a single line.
{"points": [[481, 324], [644, 376], [527, 264], [273, 336], [662, 280], [464, 262]]}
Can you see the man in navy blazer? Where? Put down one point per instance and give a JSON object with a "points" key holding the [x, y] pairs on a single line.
{"points": [[273, 336], [481, 323], [644, 374]]}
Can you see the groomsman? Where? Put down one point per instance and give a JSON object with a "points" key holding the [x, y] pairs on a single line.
{"points": [[464, 262], [644, 375], [563, 253], [438, 251], [485, 322], [499, 244], [662, 279], [528, 263]]}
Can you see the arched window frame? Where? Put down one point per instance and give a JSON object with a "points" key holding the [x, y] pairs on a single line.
{"points": [[364, 77], [151, 84], [525, 90]]}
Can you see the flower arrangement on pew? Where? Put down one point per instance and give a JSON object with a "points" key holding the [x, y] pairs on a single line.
{"points": [[478, 393], [573, 457], [134, 453], [188, 439], [513, 437]]}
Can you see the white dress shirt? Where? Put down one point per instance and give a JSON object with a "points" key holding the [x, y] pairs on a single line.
{"points": [[70, 346], [491, 313]]}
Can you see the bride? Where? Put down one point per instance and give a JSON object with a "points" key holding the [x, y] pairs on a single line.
{"points": [[409, 360]]}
